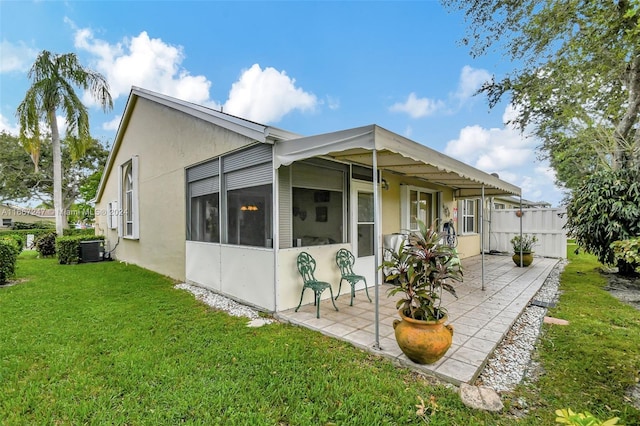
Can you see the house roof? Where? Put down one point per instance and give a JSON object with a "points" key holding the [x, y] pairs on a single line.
{"points": [[41, 213], [397, 154], [250, 129], [525, 203]]}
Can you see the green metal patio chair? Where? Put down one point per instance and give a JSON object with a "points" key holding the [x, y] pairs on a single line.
{"points": [[345, 260], [307, 267]]}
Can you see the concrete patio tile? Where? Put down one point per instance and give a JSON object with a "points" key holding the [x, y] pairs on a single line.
{"points": [[356, 322], [480, 318], [457, 371], [490, 335], [479, 314], [470, 356], [303, 315], [468, 330], [339, 330], [361, 338], [390, 347], [467, 320], [384, 329], [459, 338], [318, 323], [480, 344]]}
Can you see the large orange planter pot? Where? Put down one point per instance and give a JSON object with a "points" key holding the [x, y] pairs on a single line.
{"points": [[423, 342], [527, 259]]}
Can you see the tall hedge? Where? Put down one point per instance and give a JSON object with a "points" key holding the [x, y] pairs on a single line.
{"points": [[605, 209], [8, 258], [68, 248], [46, 244]]}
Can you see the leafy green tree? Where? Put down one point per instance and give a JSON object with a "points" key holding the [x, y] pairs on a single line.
{"points": [[605, 209], [18, 177], [21, 183], [576, 86], [577, 77], [53, 79]]}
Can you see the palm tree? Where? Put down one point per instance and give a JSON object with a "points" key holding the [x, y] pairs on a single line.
{"points": [[53, 80]]}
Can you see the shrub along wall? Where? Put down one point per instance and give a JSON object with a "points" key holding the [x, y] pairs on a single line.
{"points": [[25, 232], [46, 244], [68, 248], [8, 257]]}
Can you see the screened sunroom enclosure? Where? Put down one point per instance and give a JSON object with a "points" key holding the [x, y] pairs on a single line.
{"points": [[251, 212]]}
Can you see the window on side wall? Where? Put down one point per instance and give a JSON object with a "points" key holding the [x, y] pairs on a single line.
{"points": [[129, 199], [112, 215], [248, 196], [418, 204], [6, 223], [318, 215], [229, 199], [249, 216], [205, 218], [468, 217], [203, 202]]}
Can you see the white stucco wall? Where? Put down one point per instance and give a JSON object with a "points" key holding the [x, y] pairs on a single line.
{"points": [[289, 285], [166, 142]]}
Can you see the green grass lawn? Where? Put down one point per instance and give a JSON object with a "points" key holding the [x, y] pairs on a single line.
{"points": [[109, 343], [590, 364]]}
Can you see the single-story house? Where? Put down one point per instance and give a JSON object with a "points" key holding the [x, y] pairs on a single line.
{"points": [[502, 202], [228, 204], [11, 214]]}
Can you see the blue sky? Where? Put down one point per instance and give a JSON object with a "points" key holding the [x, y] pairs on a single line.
{"points": [[307, 67]]}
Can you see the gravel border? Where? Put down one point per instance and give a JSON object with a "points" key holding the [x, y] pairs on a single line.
{"points": [[511, 360], [218, 301]]}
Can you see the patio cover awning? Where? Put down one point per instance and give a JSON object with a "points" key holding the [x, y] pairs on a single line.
{"points": [[397, 154]]}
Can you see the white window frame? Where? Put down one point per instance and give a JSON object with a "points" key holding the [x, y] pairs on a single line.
{"points": [[112, 215], [405, 208], [135, 213], [465, 213]]}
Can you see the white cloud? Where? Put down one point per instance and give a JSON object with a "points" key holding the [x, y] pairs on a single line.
{"points": [[113, 124], [16, 57], [267, 95], [260, 95], [14, 129], [408, 132], [6, 126], [510, 154], [332, 102], [492, 149], [471, 79], [417, 107], [145, 62]]}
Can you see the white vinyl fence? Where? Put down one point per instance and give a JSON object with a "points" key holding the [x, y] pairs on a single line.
{"points": [[545, 223]]}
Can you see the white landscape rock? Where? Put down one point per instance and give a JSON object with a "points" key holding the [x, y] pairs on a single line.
{"points": [[222, 303], [480, 398]]}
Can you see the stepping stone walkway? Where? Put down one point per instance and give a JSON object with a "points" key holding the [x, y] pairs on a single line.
{"points": [[480, 398], [556, 321]]}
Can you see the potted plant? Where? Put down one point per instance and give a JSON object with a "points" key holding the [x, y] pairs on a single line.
{"points": [[523, 245], [421, 269]]}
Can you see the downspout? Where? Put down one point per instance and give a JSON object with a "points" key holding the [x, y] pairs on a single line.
{"points": [[491, 201], [521, 214], [275, 235], [376, 248], [482, 235]]}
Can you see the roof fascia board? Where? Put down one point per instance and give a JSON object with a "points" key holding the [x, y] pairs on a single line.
{"points": [[406, 147], [246, 128]]}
